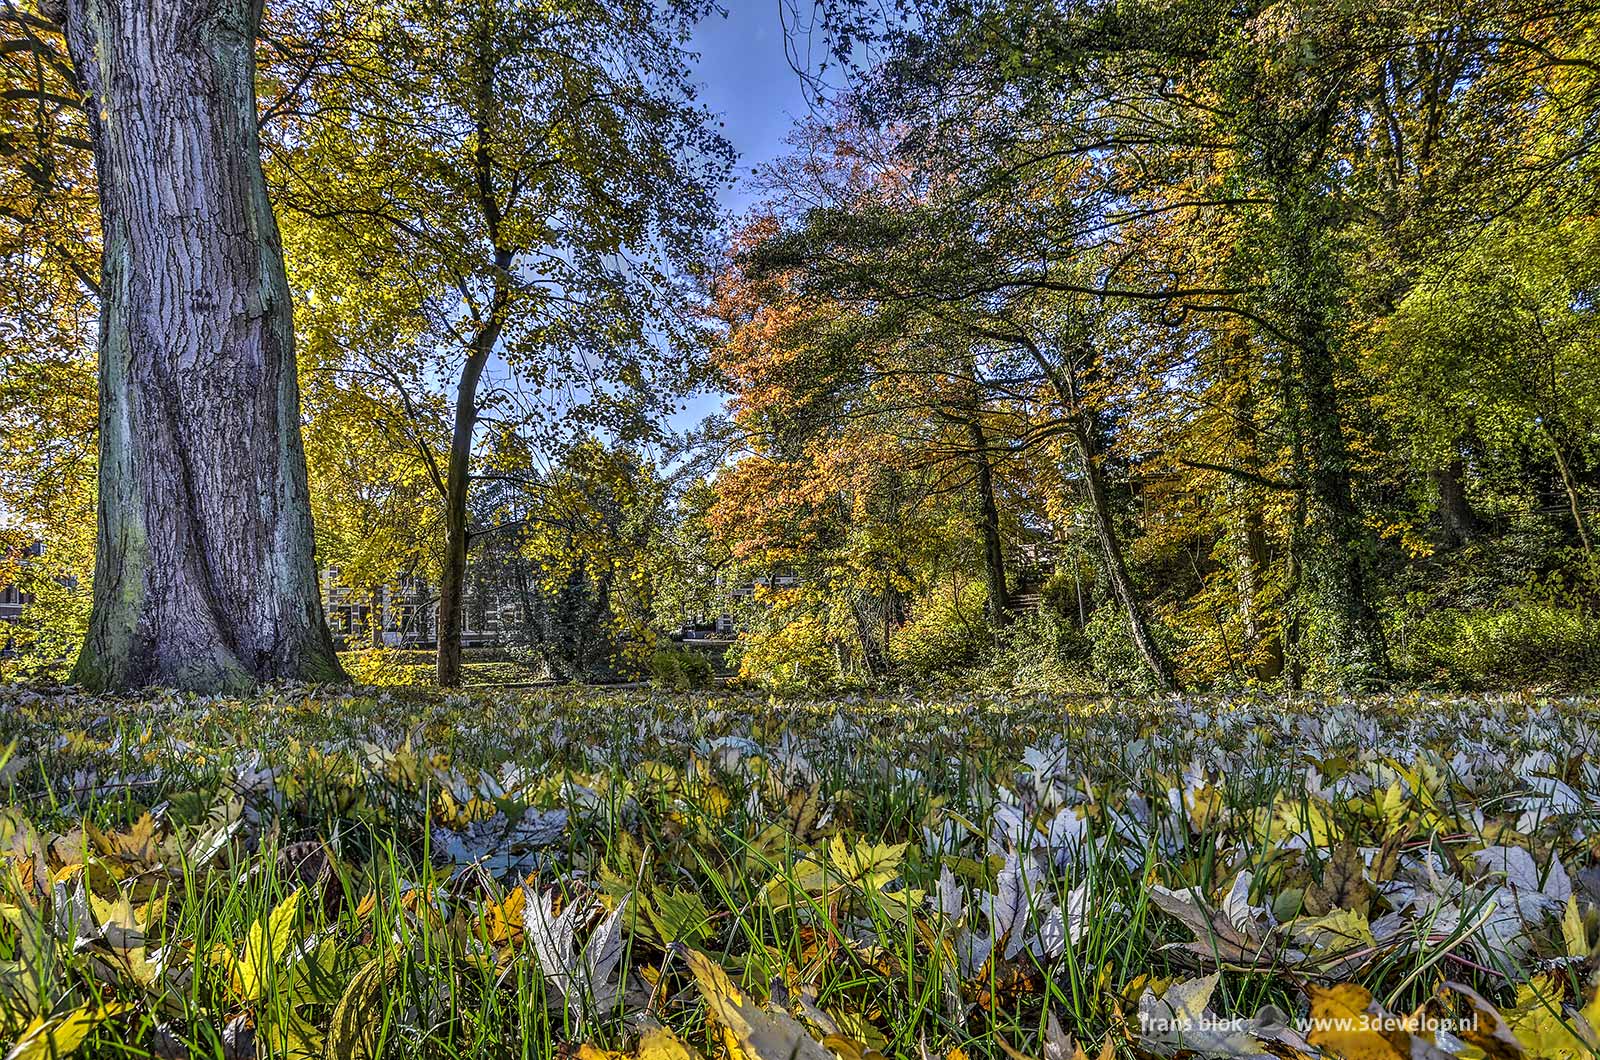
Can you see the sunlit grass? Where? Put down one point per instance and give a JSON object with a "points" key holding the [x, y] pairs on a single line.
{"points": [[314, 876]]}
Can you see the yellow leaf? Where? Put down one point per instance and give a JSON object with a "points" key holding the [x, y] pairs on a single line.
{"points": [[751, 1031], [872, 865], [1346, 1022], [503, 920], [354, 1031], [264, 947], [51, 1039], [661, 1044], [1572, 930], [1337, 931], [287, 1034], [1546, 1031], [139, 845], [1487, 1030]]}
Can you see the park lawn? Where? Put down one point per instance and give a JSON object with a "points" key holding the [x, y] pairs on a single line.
{"points": [[416, 668], [394, 873]]}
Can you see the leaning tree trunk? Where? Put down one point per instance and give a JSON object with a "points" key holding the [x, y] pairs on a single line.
{"points": [[1144, 641], [1064, 380], [453, 577], [204, 573], [1570, 486]]}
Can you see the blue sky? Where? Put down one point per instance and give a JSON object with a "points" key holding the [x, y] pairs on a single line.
{"points": [[748, 82]]}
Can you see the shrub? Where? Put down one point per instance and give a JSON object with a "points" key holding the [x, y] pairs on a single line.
{"points": [[948, 631], [1529, 643], [45, 640], [417, 668], [793, 656], [1039, 652], [1114, 658], [388, 666], [681, 669]]}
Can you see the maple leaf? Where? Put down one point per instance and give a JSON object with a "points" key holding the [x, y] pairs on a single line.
{"points": [[755, 1032], [1347, 1022], [585, 980], [498, 844]]}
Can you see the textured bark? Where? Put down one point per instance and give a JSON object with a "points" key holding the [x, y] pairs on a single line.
{"points": [[1294, 577], [1339, 550], [1457, 522], [490, 324], [1344, 556], [204, 571], [874, 656], [994, 569]]}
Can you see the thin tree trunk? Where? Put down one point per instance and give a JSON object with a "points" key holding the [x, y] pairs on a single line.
{"points": [[886, 617], [453, 577], [873, 661], [1294, 657], [1063, 379], [204, 569], [452, 581], [375, 617], [1570, 485], [994, 569], [1255, 555]]}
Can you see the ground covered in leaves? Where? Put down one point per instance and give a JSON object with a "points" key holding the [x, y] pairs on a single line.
{"points": [[348, 875]]}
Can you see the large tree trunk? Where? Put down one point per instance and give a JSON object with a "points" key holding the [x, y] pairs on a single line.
{"points": [[1457, 521], [204, 571], [1340, 551]]}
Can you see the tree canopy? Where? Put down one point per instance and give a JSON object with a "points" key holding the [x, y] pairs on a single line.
{"points": [[1072, 344]]}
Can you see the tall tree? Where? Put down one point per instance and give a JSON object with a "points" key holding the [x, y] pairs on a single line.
{"points": [[204, 576], [986, 272], [521, 183]]}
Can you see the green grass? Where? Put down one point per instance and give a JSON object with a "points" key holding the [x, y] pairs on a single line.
{"points": [[412, 668], [316, 871]]}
